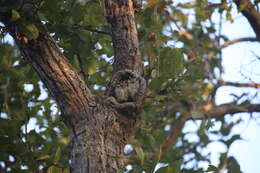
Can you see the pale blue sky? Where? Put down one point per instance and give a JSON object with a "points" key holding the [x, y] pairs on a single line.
{"points": [[239, 61]]}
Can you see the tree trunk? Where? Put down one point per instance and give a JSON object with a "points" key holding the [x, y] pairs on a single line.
{"points": [[100, 126], [115, 116], [98, 142]]}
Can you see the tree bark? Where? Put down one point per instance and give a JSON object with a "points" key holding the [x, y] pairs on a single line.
{"points": [[120, 15], [100, 126], [62, 81], [98, 142], [97, 137], [98, 131]]}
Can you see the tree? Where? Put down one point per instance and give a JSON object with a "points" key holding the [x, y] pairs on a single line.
{"points": [[105, 96]]}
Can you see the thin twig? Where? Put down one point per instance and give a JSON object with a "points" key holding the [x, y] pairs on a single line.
{"points": [[230, 42], [85, 76], [221, 110], [91, 29], [217, 5], [235, 84]]}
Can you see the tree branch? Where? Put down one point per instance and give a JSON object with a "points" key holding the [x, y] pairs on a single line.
{"points": [[127, 83], [217, 5], [250, 12], [61, 79], [230, 42], [120, 15], [219, 111], [214, 112], [85, 76], [235, 84], [92, 30], [177, 126]]}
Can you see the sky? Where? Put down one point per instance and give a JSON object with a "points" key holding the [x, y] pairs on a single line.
{"points": [[239, 61]]}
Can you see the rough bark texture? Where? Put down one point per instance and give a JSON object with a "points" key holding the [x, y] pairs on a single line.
{"points": [[120, 15], [99, 141], [100, 126], [127, 85], [62, 81]]}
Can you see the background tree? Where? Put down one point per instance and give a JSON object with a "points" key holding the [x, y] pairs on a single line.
{"points": [[103, 94]]}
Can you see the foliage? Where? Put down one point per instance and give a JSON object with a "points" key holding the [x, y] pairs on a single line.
{"points": [[179, 45]]}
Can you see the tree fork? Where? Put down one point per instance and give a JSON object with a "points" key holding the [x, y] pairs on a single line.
{"points": [[127, 66], [99, 129], [98, 132]]}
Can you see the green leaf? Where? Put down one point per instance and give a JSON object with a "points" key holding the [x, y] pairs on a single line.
{"points": [[91, 65], [53, 169], [229, 16], [64, 140], [147, 17], [77, 13], [176, 167], [186, 5], [156, 83], [57, 156], [232, 165], [212, 168], [15, 15], [44, 158], [170, 63], [32, 31], [140, 153], [27, 7], [6, 5]]}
